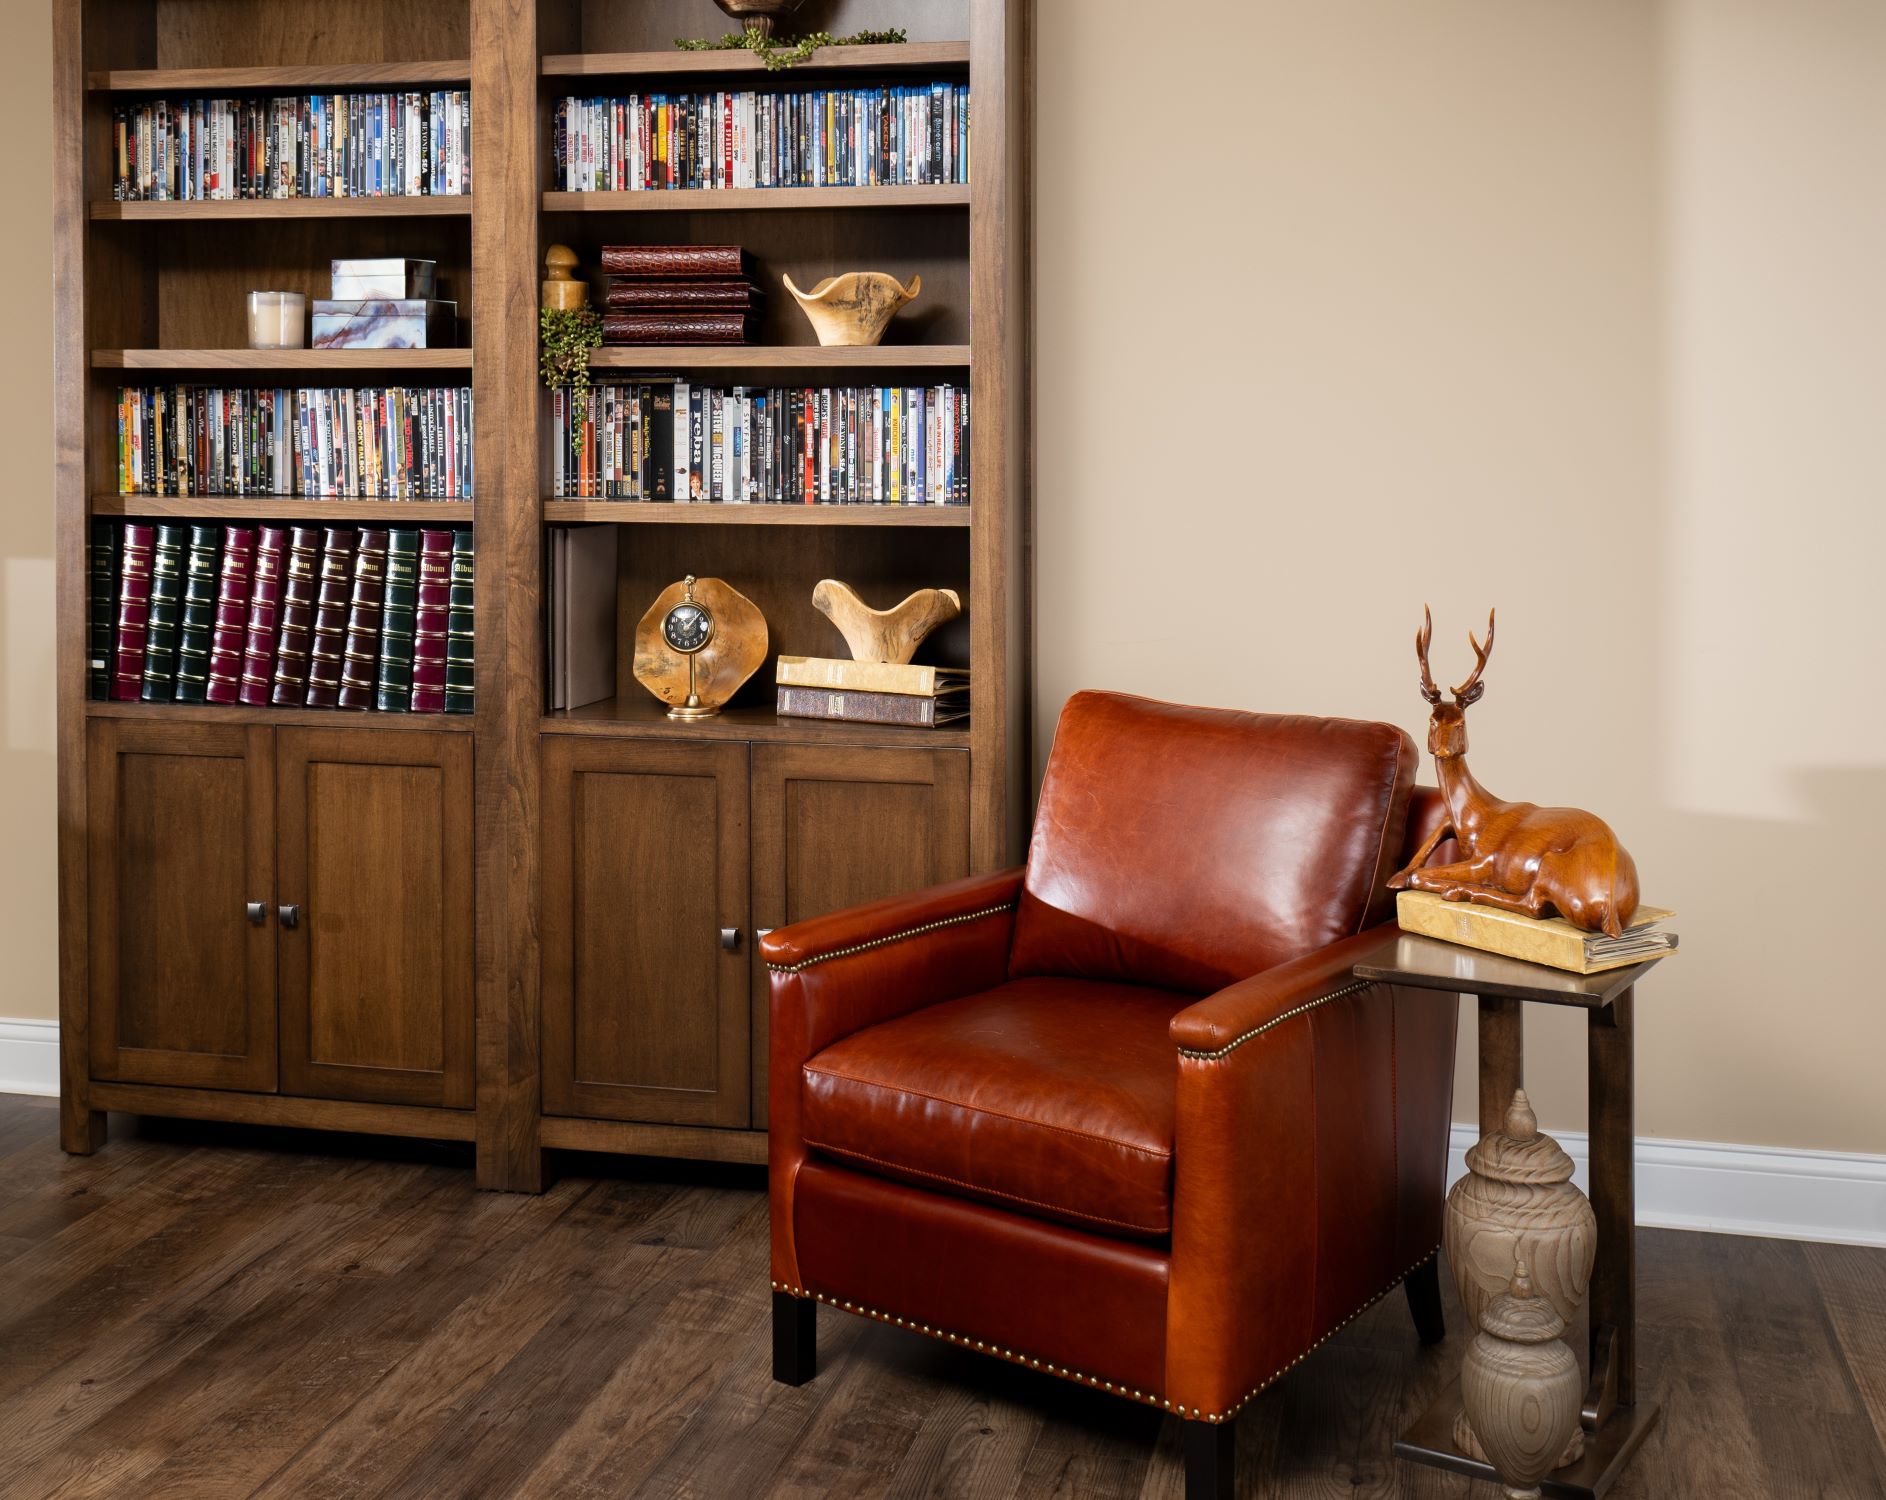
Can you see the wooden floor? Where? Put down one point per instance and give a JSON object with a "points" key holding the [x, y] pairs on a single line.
{"points": [[200, 1312]]}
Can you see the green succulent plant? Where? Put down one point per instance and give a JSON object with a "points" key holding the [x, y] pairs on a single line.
{"points": [[787, 52], [568, 335]]}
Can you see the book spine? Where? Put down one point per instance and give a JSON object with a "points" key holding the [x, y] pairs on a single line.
{"points": [[165, 615], [394, 685], [675, 327], [290, 689], [134, 606], [431, 619], [265, 607], [232, 615], [366, 598], [682, 262], [327, 643], [857, 708], [459, 636], [101, 604], [196, 638], [626, 295], [859, 676]]}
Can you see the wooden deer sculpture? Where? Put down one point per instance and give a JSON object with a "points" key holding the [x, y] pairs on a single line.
{"points": [[1517, 856]]}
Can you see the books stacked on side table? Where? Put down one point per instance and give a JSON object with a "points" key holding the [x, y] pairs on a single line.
{"points": [[872, 692], [1552, 941], [679, 294]]}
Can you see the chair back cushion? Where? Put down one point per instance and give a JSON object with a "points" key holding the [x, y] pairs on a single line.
{"points": [[1189, 848]]}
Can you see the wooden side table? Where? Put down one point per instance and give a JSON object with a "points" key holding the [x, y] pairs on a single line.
{"points": [[1614, 1423]]}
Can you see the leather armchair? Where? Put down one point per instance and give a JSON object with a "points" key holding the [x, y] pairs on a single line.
{"points": [[1122, 1115]]}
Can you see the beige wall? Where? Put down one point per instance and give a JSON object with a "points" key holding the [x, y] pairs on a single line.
{"points": [[28, 975], [1576, 309], [1573, 308]]}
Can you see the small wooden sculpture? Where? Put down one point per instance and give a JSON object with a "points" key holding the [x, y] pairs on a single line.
{"points": [[561, 288], [700, 640], [854, 309], [1517, 1205], [1520, 1386], [1517, 856], [759, 15], [891, 635]]}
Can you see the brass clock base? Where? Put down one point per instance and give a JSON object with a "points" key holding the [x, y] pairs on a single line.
{"points": [[692, 712]]}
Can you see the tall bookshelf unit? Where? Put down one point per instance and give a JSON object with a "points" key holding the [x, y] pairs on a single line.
{"points": [[524, 929]]}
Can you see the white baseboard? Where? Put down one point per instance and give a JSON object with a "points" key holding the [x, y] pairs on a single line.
{"points": [[29, 1057], [1833, 1196]]}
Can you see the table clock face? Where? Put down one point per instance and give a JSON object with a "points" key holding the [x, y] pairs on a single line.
{"points": [[687, 627]]}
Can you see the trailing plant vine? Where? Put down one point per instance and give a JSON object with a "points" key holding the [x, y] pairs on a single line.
{"points": [[563, 356], [795, 51]]}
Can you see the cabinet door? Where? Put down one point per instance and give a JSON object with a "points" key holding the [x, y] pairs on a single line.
{"points": [[835, 828], [376, 970], [181, 842], [644, 870]]}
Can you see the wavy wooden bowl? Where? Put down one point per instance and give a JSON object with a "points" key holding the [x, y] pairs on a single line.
{"points": [[853, 310]]}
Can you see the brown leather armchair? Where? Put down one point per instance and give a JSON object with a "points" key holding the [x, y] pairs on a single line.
{"points": [[1123, 1115]]}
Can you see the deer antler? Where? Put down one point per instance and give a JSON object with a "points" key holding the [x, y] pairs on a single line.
{"points": [[1470, 690], [1422, 637]]}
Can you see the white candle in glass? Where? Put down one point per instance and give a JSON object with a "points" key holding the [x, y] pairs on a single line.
{"points": [[277, 320]]}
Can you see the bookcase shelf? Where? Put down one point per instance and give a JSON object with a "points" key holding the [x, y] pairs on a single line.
{"points": [[293, 718], [285, 508], [646, 717], [903, 57], [730, 200], [781, 357], [658, 513], [291, 79], [416, 206], [300, 361], [541, 865]]}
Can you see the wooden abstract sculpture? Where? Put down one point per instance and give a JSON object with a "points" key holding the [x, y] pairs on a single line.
{"points": [[700, 640], [1520, 1387], [1517, 1205], [891, 635], [759, 15], [562, 289], [854, 309], [1517, 855]]}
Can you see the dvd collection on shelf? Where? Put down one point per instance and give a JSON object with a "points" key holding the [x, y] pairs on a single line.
{"points": [[288, 617], [675, 441], [409, 144], [756, 138], [355, 443]]}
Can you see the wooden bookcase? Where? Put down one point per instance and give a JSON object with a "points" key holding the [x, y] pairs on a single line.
{"points": [[525, 929]]}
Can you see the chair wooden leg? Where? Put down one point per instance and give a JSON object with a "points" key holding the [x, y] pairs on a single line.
{"points": [[795, 1338], [1211, 1460], [1423, 1285]]}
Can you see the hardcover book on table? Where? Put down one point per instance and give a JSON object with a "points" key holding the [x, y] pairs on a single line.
{"points": [[1552, 941]]}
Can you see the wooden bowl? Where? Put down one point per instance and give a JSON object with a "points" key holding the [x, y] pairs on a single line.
{"points": [[758, 15], [854, 309]]}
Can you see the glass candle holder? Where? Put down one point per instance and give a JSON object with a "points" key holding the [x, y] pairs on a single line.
{"points": [[277, 320]]}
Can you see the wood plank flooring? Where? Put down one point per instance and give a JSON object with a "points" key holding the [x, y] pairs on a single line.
{"points": [[201, 1312]]}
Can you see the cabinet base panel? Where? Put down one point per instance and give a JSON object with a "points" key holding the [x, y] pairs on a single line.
{"points": [[625, 1138], [284, 1110]]}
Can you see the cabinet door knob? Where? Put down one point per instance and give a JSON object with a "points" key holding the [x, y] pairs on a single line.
{"points": [[730, 938], [290, 915], [258, 913]]}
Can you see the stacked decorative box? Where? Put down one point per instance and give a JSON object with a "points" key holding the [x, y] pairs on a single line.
{"points": [[384, 304]]}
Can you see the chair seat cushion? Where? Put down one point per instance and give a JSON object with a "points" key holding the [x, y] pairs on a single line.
{"points": [[1048, 1097]]}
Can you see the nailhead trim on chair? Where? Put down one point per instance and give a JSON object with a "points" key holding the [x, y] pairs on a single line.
{"points": [[1112, 1386], [892, 937], [1237, 1042]]}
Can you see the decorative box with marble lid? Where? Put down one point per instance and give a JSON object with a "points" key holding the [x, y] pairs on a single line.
{"points": [[359, 280], [385, 323]]}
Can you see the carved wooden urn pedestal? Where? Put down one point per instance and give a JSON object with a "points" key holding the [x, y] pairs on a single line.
{"points": [[1520, 1388], [1517, 1202]]}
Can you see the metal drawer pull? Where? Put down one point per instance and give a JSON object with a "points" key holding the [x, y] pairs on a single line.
{"points": [[730, 938], [258, 913], [290, 915]]}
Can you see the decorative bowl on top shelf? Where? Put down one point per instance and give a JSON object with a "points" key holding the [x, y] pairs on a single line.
{"points": [[758, 15], [853, 310]]}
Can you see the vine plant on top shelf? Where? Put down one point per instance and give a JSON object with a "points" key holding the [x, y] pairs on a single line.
{"points": [[568, 336], [788, 52]]}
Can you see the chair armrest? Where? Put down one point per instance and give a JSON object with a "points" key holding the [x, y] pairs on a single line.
{"points": [[1286, 1186], [838, 974]]}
